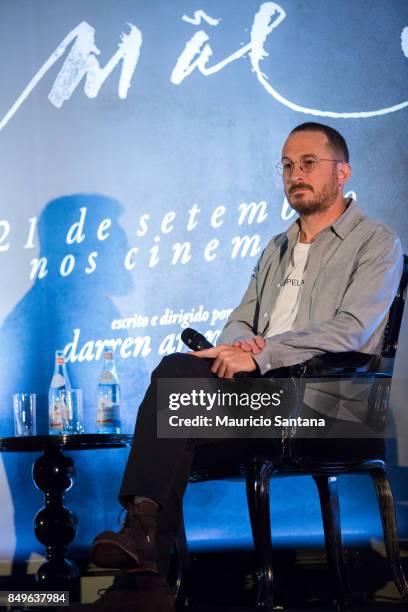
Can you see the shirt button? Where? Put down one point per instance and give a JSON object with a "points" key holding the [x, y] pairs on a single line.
{"points": [[278, 285], [268, 365], [265, 314]]}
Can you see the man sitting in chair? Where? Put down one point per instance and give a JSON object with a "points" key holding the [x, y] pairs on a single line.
{"points": [[324, 285]]}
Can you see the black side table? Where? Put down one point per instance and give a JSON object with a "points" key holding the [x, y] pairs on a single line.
{"points": [[55, 525]]}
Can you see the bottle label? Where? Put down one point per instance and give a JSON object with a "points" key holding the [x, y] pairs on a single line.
{"points": [[57, 413], [58, 381], [107, 412], [106, 377]]}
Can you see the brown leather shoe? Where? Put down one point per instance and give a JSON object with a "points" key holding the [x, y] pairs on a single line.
{"points": [[135, 544]]}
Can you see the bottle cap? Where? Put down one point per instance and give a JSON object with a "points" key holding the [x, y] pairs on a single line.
{"points": [[59, 357], [108, 351]]}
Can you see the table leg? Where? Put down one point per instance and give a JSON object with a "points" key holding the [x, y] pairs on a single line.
{"points": [[55, 526]]}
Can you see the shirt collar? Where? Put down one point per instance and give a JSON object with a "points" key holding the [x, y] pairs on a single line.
{"points": [[342, 226]]}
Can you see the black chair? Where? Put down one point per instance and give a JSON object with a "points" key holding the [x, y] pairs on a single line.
{"points": [[260, 469]]}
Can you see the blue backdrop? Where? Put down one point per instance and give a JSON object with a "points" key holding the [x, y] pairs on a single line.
{"points": [[138, 141]]}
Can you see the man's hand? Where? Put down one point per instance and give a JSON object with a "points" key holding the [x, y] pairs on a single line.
{"points": [[252, 345], [228, 360]]}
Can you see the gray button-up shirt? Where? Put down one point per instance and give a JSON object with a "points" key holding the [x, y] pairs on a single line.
{"points": [[352, 275]]}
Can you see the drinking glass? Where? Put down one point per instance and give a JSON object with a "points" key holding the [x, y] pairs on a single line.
{"points": [[72, 419], [24, 414]]}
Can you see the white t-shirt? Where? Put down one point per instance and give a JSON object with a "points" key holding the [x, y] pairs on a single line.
{"points": [[287, 304]]}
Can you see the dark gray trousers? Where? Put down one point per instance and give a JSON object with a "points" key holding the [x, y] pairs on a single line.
{"points": [[159, 468]]}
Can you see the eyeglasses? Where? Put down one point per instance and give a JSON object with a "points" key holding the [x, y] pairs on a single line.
{"points": [[307, 164]]}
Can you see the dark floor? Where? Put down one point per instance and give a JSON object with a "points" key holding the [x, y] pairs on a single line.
{"points": [[224, 581]]}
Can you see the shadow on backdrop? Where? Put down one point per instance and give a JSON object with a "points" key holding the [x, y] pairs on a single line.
{"points": [[43, 321]]}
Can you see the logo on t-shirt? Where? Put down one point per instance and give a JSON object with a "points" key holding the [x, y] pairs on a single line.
{"points": [[295, 282]]}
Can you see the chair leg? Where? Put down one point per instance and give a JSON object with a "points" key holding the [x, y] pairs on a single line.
{"points": [[329, 503], [181, 579], [257, 488], [389, 523]]}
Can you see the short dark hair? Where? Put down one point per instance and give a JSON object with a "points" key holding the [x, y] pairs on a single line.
{"points": [[336, 140]]}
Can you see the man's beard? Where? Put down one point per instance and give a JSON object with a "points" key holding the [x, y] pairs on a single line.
{"points": [[320, 203]]}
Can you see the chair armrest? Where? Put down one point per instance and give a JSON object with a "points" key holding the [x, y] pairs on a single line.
{"points": [[339, 364]]}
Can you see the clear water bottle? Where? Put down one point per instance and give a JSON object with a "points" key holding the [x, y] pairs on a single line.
{"points": [[108, 411], [57, 395]]}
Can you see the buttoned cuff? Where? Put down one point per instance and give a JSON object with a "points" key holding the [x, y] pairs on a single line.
{"points": [[267, 360]]}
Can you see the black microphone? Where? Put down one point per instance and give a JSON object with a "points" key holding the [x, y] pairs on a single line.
{"points": [[197, 342], [194, 340]]}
